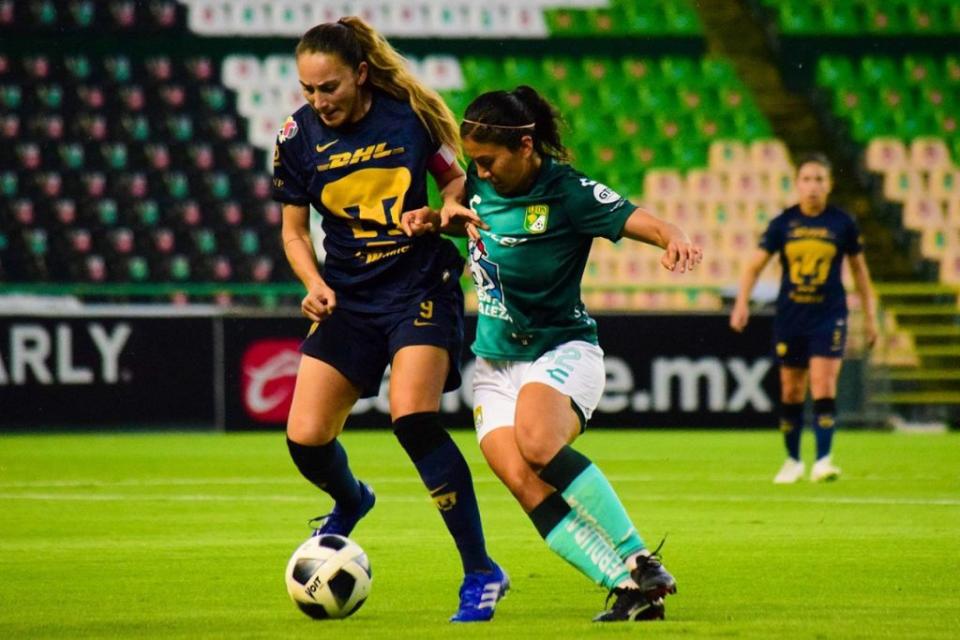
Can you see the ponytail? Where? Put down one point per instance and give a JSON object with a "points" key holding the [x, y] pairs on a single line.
{"points": [[505, 117], [355, 41]]}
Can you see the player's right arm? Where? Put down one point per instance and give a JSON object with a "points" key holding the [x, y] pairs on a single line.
{"points": [[748, 280], [320, 300]]}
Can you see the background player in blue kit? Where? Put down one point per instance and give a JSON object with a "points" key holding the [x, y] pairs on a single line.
{"points": [[812, 238], [540, 372], [359, 152]]}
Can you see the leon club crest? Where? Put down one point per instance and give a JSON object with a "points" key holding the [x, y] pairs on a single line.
{"points": [[535, 218]]}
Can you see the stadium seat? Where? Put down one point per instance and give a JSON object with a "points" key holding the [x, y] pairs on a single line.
{"points": [[901, 184], [944, 183], [921, 213], [929, 154], [728, 155], [886, 154], [663, 184], [950, 268]]}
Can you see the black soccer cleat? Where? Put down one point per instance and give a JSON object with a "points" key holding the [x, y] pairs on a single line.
{"points": [[341, 522], [631, 605], [652, 579]]}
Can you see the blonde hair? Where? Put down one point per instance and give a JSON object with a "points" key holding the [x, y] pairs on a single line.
{"points": [[356, 41]]}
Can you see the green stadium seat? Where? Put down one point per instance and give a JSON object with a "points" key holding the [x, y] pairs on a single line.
{"points": [[642, 17], [457, 101], [911, 124], [118, 69], [11, 96], [930, 17], [179, 268], [146, 214], [951, 70], [879, 71], [638, 69], [884, 16], [71, 155], [559, 69], [204, 241], [647, 154], [137, 269], [681, 17], [614, 98], [522, 71], [834, 71], [567, 23], [797, 17], [655, 99], [867, 124], [599, 70], [920, 70], [852, 99], [177, 184], [841, 18], [483, 74], [106, 213], [718, 73], [605, 22], [9, 184], [677, 70], [688, 156]]}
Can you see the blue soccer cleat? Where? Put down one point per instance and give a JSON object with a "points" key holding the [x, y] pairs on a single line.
{"points": [[480, 594], [340, 522]]}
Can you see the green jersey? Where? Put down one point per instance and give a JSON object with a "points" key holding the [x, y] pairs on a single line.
{"points": [[527, 267]]}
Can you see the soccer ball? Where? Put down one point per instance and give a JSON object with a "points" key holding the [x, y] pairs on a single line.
{"points": [[328, 576]]}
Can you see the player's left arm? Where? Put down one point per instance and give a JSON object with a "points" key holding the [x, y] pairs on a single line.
{"points": [[679, 253], [454, 217], [864, 285]]}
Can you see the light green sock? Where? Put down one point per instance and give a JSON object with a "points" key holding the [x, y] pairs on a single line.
{"points": [[590, 495], [578, 542]]}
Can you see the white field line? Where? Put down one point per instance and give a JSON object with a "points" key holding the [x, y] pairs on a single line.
{"points": [[294, 480], [206, 497]]}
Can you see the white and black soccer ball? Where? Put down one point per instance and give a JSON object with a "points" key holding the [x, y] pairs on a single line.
{"points": [[328, 576]]}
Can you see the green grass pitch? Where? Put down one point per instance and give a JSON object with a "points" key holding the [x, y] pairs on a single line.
{"points": [[187, 535]]}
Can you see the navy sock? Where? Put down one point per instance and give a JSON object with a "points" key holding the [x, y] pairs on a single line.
{"points": [[824, 415], [447, 476], [791, 425], [326, 466]]}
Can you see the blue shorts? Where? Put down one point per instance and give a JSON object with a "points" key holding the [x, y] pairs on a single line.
{"points": [[796, 350], [361, 345]]}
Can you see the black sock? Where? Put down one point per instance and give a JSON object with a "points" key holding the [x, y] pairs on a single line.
{"points": [[824, 415], [791, 425], [447, 476], [326, 466]]}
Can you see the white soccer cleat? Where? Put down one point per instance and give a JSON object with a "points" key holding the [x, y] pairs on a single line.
{"points": [[823, 470], [791, 471]]}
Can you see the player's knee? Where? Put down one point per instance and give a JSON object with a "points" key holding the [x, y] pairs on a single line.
{"points": [[312, 430], [420, 433], [536, 446]]}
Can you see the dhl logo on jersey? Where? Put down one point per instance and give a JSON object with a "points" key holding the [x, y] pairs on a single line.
{"points": [[364, 154]]}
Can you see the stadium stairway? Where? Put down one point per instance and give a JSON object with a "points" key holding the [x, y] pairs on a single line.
{"points": [[927, 388], [921, 379], [732, 31]]}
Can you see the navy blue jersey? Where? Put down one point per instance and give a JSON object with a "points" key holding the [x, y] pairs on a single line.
{"points": [[361, 177], [811, 252]]}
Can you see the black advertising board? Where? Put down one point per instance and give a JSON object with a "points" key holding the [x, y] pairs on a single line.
{"points": [[105, 371], [686, 370]]}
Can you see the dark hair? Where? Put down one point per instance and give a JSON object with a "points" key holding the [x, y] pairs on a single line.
{"points": [[355, 41], [502, 117], [816, 158]]}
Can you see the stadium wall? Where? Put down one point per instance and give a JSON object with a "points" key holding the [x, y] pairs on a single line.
{"points": [[207, 369]]}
